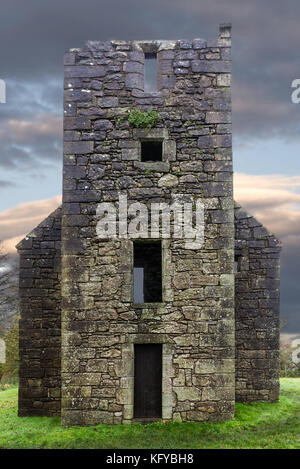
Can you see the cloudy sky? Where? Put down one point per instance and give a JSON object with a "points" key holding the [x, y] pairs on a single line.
{"points": [[34, 34]]}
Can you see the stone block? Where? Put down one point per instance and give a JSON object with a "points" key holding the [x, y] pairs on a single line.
{"points": [[84, 71], [78, 148], [199, 43], [187, 393], [134, 81], [211, 66], [76, 123], [218, 117], [108, 102]]}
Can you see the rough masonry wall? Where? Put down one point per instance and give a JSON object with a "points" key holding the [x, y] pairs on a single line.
{"points": [[195, 321], [40, 337], [257, 307]]}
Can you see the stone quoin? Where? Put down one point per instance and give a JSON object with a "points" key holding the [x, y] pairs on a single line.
{"points": [[203, 330]]}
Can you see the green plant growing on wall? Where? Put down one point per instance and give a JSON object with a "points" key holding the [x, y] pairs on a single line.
{"points": [[177, 172], [142, 119]]}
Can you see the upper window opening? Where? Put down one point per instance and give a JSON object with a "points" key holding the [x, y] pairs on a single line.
{"points": [[151, 150], [147, 272], [236, 264], [150, 77]]}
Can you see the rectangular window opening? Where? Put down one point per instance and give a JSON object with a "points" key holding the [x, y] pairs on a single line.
{"points": [[150, 72], [151, 150], [237, 264], [147, 272]]}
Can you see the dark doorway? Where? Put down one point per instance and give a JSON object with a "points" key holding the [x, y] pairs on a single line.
{"points": [[151, 150], [147, 273], [148, 381]]}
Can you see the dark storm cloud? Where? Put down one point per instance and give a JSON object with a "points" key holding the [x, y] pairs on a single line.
{"points": [[30, 124], [29, 144], [266, 47]]}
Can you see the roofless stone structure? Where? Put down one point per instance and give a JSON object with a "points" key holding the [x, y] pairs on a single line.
{"points": [[139, 329]]}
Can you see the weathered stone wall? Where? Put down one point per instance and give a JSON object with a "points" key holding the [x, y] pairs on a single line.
{"points": [[257, 316], [40, 338], [195, 321], [257, 305]]}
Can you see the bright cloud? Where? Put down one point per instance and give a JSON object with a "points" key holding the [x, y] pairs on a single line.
{"points": [[20, 220], [274, 200], [32, 130], [24, 131]]}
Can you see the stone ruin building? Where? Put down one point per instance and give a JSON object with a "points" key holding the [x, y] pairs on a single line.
{"points": [[124, 330]]}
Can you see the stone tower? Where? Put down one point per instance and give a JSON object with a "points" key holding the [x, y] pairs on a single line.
{"points": [[147, 326], [193, 321]]}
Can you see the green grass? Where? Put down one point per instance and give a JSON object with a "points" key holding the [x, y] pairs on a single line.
{"points": [[258, 425]]}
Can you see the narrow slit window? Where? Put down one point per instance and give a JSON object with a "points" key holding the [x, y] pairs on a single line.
{"points": [[236, 264], [150, 72], [147, 272], [151, 150]]}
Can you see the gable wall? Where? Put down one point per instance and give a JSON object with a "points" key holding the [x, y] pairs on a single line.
{"points": [[40, 338], [257, 309]]}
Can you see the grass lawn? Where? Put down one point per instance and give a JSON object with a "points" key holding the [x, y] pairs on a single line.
{"points": [[256, 425]]}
